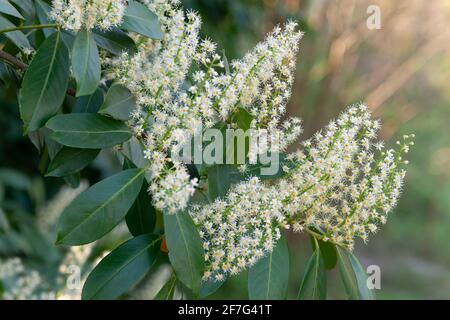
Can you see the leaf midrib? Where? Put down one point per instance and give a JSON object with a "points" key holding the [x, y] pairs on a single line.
{"points": [[348, 272], [186, 248], [47, 77], [126, 264], [103, 205]]}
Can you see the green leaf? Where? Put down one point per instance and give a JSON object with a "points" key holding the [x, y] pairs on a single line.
{"points": [[71, 160], [119, 103], [134, 151], [141, 218], [353, 276], [14, 179], [122, 269], [115, 41], [209, 287], [314, 283], [140, 19], [167, 291], [8, 8], [242, 118], [86, 63], [185, 249], [89, 104], [45, 83], [329, 254], [17, 37], [268, 279], [219, 180], [43, 10], [88, 130], [96, 211], [73, 180]]}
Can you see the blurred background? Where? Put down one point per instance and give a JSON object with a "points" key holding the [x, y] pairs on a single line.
{"points": [[401, 70]]}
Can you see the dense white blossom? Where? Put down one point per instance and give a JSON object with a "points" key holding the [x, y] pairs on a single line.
{"points": [[239, 229], [340, 185], [169, 114], [77, 14]]}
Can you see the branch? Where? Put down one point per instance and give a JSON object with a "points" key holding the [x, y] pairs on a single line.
{"points": [[17, 64], [13, 61]]}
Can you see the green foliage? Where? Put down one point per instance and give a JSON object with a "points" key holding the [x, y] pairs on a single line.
{"points": [[167, 291], [115, 41], [71, 160], [139, 19], [45, 83], [185, 249], [86, 63], [122, 268], [8, 8], [314, 283], [119, 103], [86, 130], [353, 276], [96, 211], [268, 279]]}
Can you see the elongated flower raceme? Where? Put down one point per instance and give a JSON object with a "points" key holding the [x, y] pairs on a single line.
{"points": [[168, 115], [77, 14], [341, 185], [345, 183], [239, 230]]}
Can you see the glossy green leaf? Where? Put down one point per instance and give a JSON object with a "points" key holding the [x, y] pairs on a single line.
{"points": [[86, 63], [268, 279], [220, 180], [8, 8], [45, 83], [209, 287], [314, 283], [43, 10], [242, 118], [73, 180], [141, 218], [96, 211], [88, 130], [185, 249], [119, 102], [17, 37], [134, 151], [329, 254], [122, 269], [140, 19], [115, 41], [71, 160], [168, 289], [353, 276], [90, 103]]}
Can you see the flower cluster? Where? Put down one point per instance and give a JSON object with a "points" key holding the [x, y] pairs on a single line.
{"points": [[240, 229], [340, 185], [168, 114], [77, 14]]}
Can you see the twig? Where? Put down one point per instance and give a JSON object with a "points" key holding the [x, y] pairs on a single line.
{"points": [[13, 61], [40, 26]]}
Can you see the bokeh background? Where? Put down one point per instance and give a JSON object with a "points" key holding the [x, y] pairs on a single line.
{"points": [[402, 71]]}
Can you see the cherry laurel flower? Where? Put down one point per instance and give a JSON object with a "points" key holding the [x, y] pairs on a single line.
{"points": [[336, 187], [169, 114], [77, 14]]}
